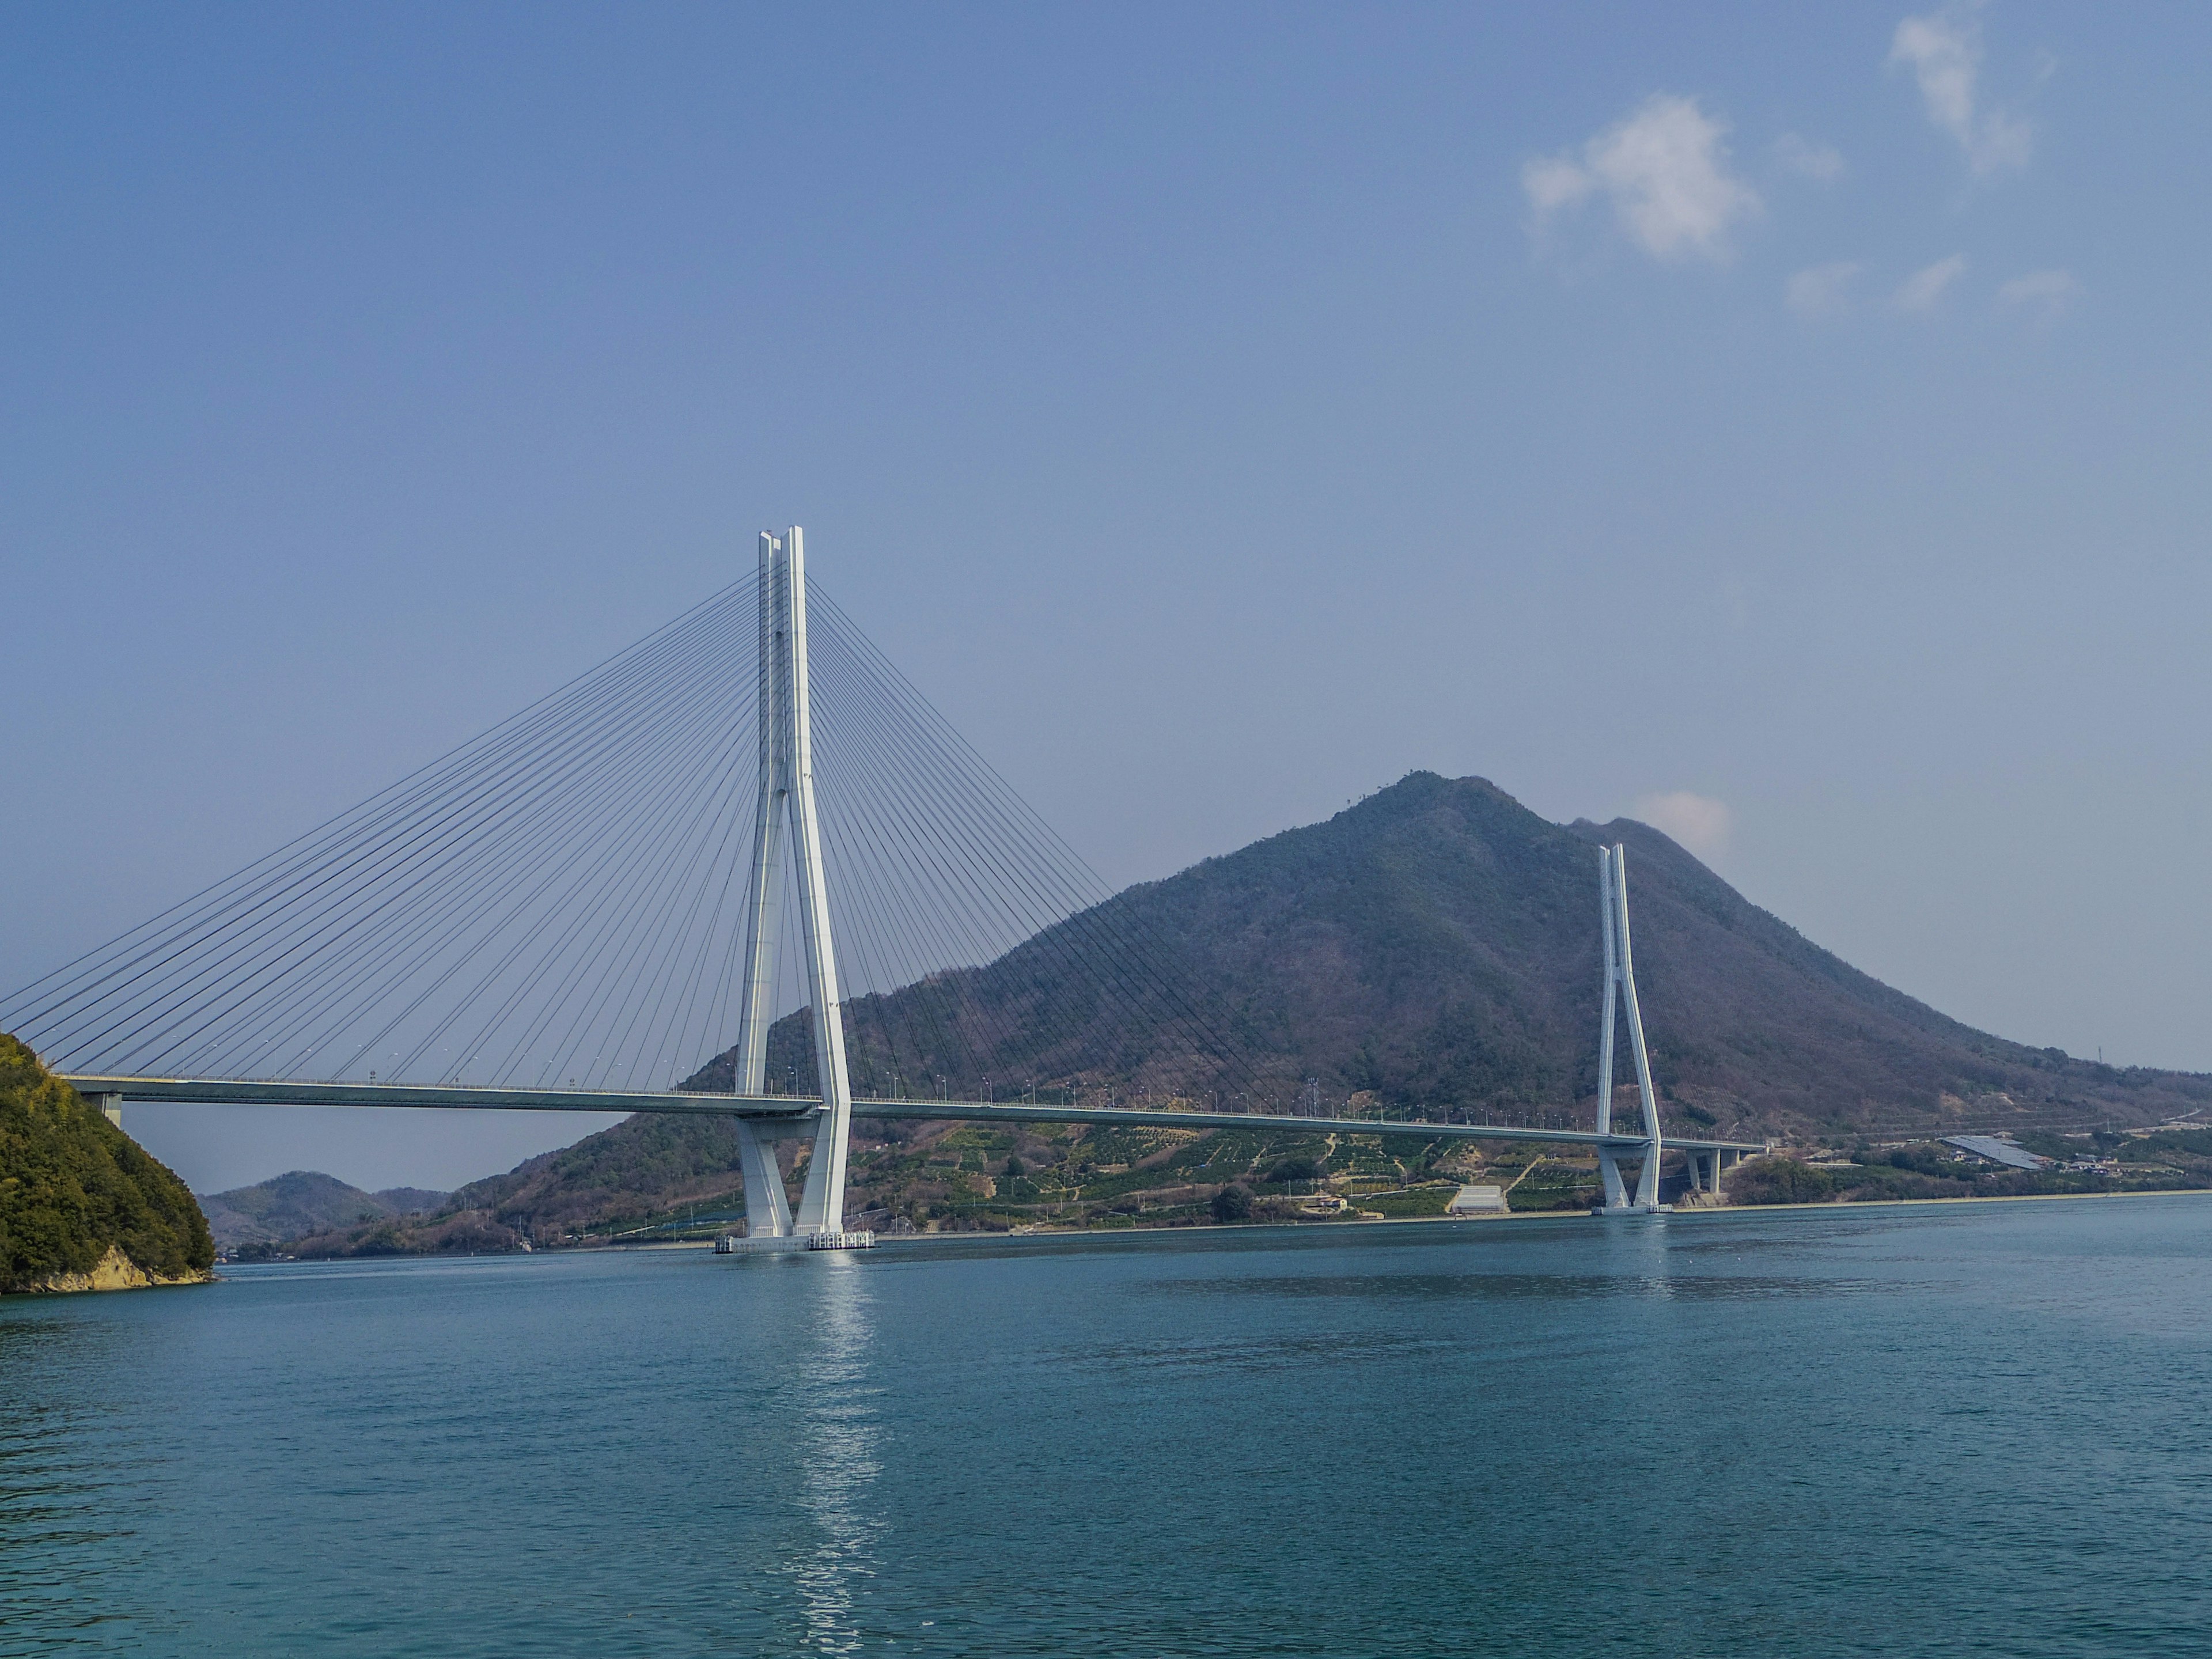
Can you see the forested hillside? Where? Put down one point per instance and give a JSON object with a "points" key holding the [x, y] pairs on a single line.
{"points": [[81, 1204]]}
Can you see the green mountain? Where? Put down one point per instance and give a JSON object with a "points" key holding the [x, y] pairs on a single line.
{"points": [[1434, 947], [302, 1202], [83, 1206]]}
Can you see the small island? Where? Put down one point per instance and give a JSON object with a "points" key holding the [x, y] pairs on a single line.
{"points": [[83, 1207]]}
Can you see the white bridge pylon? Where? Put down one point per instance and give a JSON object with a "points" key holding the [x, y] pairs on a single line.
{"points": [[1621, 984], [787, 805]]}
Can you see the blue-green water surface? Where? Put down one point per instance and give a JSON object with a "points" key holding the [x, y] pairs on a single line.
{"points": [[1940, 1430]]}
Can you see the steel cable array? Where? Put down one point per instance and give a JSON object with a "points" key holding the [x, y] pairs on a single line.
{"points": [[561, 902], [941, 866]]}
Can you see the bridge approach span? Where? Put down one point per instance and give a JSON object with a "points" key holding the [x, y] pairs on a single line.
{"points": [[791, 1114]]}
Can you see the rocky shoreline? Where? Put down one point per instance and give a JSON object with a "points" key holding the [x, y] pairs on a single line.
{"points": [[113, 1272]]}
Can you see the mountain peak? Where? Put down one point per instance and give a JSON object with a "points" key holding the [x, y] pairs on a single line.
{"points": [[1436, 943]]}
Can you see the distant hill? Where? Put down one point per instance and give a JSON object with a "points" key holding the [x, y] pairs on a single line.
{"points": [[302, 1202], [83, 1206], [642, 1167], [1435, 946], [411, 1200]]}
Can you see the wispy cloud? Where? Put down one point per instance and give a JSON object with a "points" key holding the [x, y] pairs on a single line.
{"points": [[1806, 159], [1920, 292], [1554, 182], [1665, 168], [1699, 823], [1944, 51], [1822, 290], [2046, 295]]}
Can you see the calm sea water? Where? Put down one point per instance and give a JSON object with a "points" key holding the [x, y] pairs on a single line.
{"points": [[1946, 1430]]}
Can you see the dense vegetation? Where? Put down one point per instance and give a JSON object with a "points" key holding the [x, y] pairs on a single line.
{"points": [[73, 1186], [2166, 1160]]}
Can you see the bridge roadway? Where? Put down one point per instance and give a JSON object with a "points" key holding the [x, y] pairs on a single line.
{"points": [[796, 1115]]}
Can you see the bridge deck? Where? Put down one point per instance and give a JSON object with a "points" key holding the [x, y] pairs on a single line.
{"points": [[794, 1113]]}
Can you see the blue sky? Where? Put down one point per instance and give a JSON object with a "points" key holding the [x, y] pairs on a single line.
{"points": [[1786, 424]]}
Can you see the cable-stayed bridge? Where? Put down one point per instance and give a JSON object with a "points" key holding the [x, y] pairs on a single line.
{"points": [[742, 867]]}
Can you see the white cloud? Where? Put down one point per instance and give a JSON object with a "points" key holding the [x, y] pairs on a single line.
{"points": [[1919, 292], [1823, 290], [2047, 293], [1699, 823], [1664, 167], [1806, 159], [1944, 51], [1554, 182]]}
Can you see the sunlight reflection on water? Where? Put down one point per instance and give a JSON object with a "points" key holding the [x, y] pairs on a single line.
{"points": [[840, 1432]]}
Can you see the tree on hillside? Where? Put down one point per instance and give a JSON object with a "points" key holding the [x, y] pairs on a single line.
{"points": [[1233, 1204]]}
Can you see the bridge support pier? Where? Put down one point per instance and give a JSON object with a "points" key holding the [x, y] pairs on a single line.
{"points": [[1704, 1177], [767, 1213], [1621, 993], [786, 793]]}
